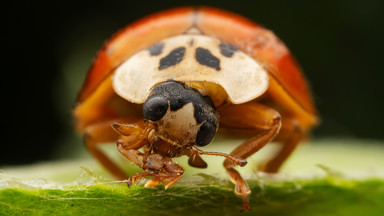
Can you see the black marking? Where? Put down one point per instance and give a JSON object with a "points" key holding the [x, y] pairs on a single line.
{"points": [[205, 57], [191, 42], [155, 108], [227, 50], [156, 49], [176, 95], [173, 58], [179, 95], [205, 134]]}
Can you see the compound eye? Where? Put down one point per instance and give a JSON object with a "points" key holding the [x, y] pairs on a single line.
{"points": [[205, 134], [155, 108]]}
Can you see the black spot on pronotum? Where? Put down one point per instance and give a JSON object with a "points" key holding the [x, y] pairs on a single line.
{"points": [[227, 50], [191, 42], [156, 49], [173, 58], [205, 57]]}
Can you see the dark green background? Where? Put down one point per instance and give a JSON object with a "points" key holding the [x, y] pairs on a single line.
{"points": [[48, 47]]}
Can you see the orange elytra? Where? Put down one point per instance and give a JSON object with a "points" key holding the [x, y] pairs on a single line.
{"points": [[166, 83]]}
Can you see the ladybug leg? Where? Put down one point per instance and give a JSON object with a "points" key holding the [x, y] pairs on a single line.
{"points": [[265, 122], [163, 169], [196, 161], [138, 176], [157, 178], [101, 133], [290, 135]]}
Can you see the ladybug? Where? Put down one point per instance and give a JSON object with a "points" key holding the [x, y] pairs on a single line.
{"points": [[163, 86]]}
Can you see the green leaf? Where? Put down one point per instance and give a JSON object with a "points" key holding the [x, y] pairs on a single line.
{"points": [[321, 178]]}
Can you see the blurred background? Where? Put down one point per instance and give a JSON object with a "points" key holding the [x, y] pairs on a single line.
{"points": [[48, 48]]}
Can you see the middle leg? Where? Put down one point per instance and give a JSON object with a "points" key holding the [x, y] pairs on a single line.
{"points": [[264, 121]]}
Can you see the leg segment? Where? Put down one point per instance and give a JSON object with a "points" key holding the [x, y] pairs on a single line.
{"points": [[290, 135], [264, 121], [163, 169], [101, 133]]}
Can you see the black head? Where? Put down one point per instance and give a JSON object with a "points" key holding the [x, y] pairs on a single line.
{"points": [[182, 114]]}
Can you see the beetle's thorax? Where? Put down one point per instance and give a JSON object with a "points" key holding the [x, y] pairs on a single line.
{"points": [[191, 58]]}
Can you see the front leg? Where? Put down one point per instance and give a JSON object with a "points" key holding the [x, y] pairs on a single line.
{"points": [[265, 122], [161, 168], [102, 133]]}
